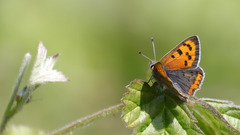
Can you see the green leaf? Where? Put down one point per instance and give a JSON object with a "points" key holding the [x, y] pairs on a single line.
{"points": [[210, 121], [150, 111], [229, 111], [155, 110]]}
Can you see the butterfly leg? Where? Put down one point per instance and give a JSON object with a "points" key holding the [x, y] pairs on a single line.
{"points": [[150, 79]]}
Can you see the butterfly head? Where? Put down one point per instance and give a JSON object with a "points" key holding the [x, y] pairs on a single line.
{"points": [[152, 65]]}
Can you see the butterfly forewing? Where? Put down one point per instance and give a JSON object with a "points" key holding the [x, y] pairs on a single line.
{"points": [[185, 55]]}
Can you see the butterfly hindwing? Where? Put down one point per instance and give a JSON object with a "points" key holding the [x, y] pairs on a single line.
{"points": [[186, 81], [185, 55]]}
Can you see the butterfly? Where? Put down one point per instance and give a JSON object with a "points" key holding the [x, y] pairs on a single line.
{"points": [[179, 68]]}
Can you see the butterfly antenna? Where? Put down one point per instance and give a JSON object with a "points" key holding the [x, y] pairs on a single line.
{"points": [[144, 56], [154, 52]]}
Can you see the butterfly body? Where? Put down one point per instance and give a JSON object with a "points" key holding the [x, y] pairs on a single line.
{"points": [[179, 69]]}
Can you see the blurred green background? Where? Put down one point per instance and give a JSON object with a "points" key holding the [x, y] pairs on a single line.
{"points": [[98, 42]]}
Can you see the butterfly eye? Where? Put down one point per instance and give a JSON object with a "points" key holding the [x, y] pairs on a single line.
{"points": [[151, 66]]}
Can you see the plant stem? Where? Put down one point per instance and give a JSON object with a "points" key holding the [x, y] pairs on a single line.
{"points": [[9, 112], [88, 119]]}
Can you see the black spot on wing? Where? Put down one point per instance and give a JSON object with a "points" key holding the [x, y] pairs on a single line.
{"points": [[189, 47], [185, 63], [179, 51], [173, 56]]}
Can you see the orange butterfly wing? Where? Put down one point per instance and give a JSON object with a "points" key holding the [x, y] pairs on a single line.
{"points": [[183, 56]]}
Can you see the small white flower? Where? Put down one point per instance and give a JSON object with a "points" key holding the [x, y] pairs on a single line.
{"points": [[43, 71]]}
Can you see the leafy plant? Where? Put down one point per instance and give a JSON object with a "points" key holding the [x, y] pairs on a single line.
{"points": [[154, 110], [148, 109]]}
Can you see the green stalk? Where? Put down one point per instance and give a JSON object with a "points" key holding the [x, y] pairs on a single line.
{"points": [[10, 111], [88, 119]]}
